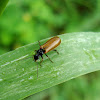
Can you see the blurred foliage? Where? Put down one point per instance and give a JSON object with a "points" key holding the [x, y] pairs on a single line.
{"points": [[3, 4], [26, 21]]}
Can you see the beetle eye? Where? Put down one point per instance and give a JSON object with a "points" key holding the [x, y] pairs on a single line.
{"points": [[36, 57]]}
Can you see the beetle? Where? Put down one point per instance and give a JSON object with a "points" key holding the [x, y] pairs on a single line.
{"points": [[51, 44]]}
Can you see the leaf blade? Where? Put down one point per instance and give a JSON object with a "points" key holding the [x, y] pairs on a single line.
{"points": [[79, 55]]}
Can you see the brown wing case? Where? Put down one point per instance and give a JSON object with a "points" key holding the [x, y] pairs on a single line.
{"points": [[51, 44]]}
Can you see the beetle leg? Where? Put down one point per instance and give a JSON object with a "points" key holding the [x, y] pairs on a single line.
{"points": [[49, 58], [39, 43], [56, 51], [35, 51], [41, 61]]}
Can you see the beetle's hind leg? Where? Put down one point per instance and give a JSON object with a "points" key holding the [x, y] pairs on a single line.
{"points": [[56, 51], [49, 58]]}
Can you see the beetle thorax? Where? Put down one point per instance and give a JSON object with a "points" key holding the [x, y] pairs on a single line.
{"points": [[40, 52]]}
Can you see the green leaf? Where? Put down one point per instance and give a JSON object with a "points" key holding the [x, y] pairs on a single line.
{"points": [[79, 54], [3, 4]]}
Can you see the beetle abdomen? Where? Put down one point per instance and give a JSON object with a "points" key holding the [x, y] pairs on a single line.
{"points": [[51, 44]]}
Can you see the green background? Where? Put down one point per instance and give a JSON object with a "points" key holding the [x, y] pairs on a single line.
{"points": [[27, 21]]}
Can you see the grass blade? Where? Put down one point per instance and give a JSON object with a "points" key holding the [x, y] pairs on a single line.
{"points": [[79, 54]]}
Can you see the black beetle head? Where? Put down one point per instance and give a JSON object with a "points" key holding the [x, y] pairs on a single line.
{"points": [[36, 57]]}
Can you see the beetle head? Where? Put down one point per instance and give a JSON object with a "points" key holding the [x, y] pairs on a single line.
{"points": [[36, 57]]}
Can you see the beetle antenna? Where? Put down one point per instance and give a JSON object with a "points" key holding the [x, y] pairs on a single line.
{"points": [[37, 70], [39, 43]]}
